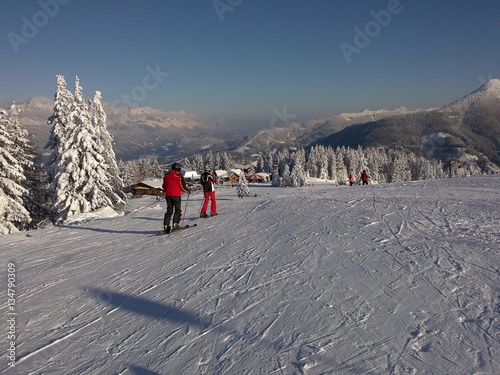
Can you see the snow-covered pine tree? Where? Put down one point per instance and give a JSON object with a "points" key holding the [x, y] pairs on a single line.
{"points": [[400, 168], [226, 162], [332, 163], [81, 183], [243, 190], [125, 173], [60, 123], [312, 164], [144, 168], [198, 164], [362, 166], [323, 162], [22, 148], [135, 168], [210, 161], [156, 170], [286, 180], [260, 164], [298, 173], [187, 164], [98, 121], [13, 215], [23, 151], [340, 168], [298, 176], [217, 161]]}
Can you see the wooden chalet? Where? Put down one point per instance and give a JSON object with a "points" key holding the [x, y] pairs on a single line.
{"points": [[234, 176], [258, 177], [147, 187]]}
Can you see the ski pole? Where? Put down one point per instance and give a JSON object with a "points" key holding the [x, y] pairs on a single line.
{"points": [[185, 210], [201, 204]]}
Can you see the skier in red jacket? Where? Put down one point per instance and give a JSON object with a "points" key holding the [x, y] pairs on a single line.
{"points": [[173, 186], [364, 178], [351, 179]]}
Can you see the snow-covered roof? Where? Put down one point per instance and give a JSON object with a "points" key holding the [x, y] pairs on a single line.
{"points": [[153, 182], [242, 166], [221, 173], [190, 174]]}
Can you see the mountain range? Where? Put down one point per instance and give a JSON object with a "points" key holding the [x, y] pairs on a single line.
{"points": [[468, 128]]}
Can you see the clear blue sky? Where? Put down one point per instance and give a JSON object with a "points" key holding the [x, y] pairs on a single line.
{"points": [[246, 60]]}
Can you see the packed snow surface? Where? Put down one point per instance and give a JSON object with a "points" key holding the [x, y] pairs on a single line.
{"points": [[382, 279]]}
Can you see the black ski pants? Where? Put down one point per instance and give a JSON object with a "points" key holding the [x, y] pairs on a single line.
{"points": [[173, 206]]}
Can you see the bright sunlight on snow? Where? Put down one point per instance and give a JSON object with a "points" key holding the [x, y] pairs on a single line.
{"points": [[399, 278]]}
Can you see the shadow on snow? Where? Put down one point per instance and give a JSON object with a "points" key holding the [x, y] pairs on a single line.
{"points": [[155, 310]]}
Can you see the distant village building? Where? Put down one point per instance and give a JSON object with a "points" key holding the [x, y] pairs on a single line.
{"points": [[234, 176], [222, 176], [191, 176], [152, 186], [259, 177]]}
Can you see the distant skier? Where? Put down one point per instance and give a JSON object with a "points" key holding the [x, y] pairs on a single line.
{"points": [[207, 180], [351, 179], [173, 186], [364, 178]]}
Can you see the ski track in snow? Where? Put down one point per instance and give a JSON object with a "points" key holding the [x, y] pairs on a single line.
{"points": [[381, 279]]}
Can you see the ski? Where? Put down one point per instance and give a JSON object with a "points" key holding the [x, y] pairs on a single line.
{"points": [[178, 230], [209, 216]]}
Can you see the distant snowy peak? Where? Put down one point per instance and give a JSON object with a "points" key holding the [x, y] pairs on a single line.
{"points": [[39, 102], [164, 119], [378, 112], [492, 87], [488, 92]]}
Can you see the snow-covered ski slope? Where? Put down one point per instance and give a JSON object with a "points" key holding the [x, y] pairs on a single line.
{"points": [[380, 279]]}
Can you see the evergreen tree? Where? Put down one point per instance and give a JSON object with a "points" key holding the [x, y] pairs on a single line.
{"points": [[98, 120], [22, 148], [217, 162], [400, 168], [226, 162], [125, 173], [286, 180], [210, 161], [13, 215], [134, 171], [312, 165], [156, 170], [340, 168], [298, 176], [82, 181], [35, 201], [243, 190], [260, 164], [60, 122], [362, 166], [332, 163], [145, 168], [198, 164], [187, 165]]}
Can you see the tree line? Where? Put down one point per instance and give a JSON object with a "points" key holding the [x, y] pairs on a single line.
{"points": [[292, 168]]}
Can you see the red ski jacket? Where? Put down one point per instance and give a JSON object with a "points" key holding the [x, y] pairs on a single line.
{"points": [[174, 184]]}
